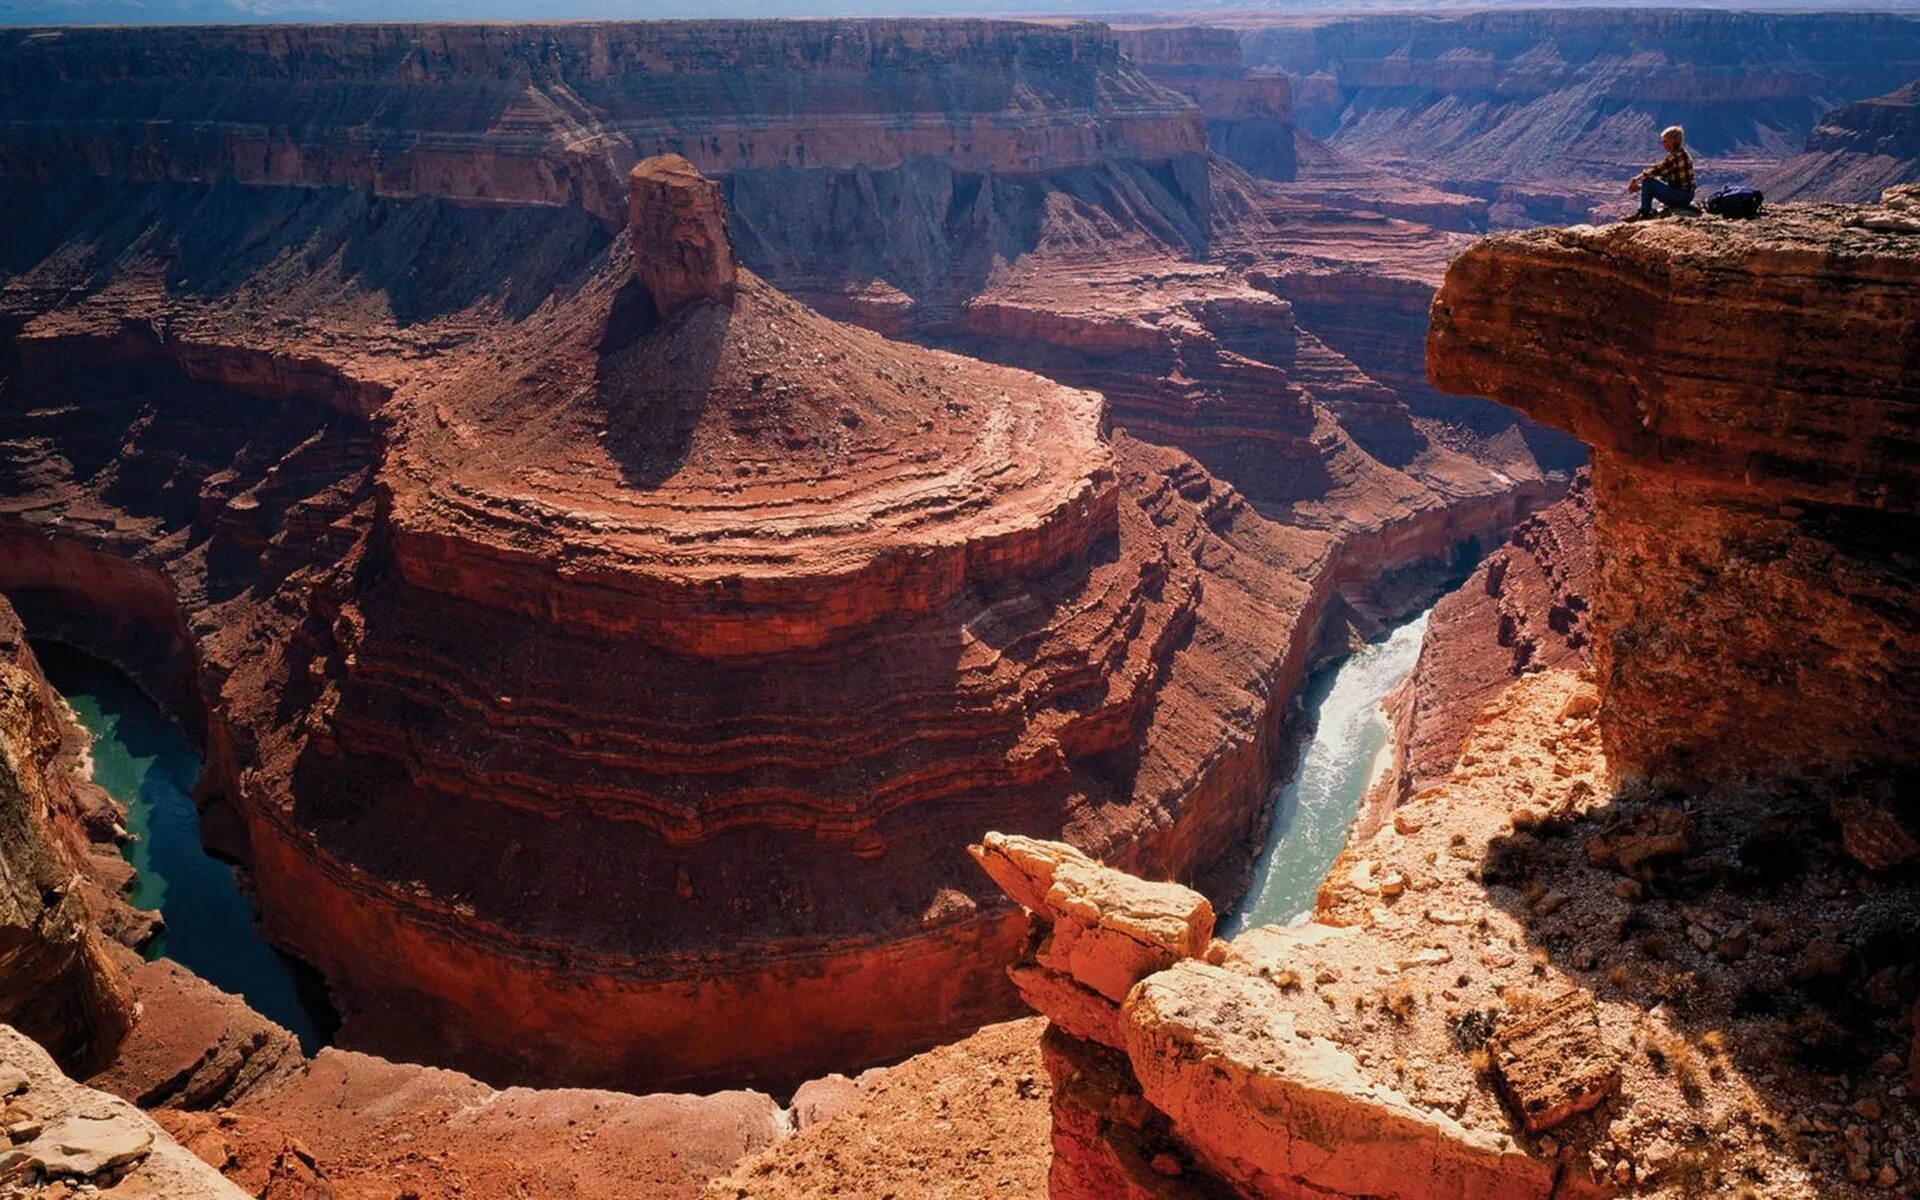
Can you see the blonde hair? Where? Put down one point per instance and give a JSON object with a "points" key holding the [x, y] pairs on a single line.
{"points": [[1674, 131]]}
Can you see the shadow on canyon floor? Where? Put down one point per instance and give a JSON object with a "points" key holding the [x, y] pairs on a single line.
{"points": [[651, 415], [426, 258], [1741, 923]]}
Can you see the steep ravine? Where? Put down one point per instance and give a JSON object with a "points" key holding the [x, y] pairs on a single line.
{"points": [[442, 652], [149, 766], [331, 587], [1212, 842], [1341, 758], [1649, 931]]}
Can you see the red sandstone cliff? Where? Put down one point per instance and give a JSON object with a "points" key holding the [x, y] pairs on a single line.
{"points": [[1856, 152], [450, 655], [1094, 176], [57, 983], [1740, 385], [1524, 610], [480, 561], [1249, 113], [943, 133], [1589, 956]]}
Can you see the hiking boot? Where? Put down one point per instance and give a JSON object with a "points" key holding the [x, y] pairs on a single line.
{"points": [[1638, 216]]}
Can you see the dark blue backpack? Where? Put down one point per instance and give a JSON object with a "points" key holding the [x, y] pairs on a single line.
{"points": [[1742, 202]]}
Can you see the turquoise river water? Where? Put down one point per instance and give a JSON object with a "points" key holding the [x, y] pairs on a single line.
{"points": [[1343, 755], [145, 762]]}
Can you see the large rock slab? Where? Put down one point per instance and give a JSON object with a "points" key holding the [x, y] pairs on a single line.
{"points": [[1747, 389], [1551, 1061], [1107, 929], [89, 1138], [1278, 1115]]}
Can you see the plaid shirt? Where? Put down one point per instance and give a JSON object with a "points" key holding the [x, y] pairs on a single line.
{"points": [[1675, 168]]}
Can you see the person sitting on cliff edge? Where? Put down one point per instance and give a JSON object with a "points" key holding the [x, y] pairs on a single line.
{"points": [[1670, 181]]}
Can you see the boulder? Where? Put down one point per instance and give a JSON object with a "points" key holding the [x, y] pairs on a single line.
{"points": [[94, 1140], [1551, 1062], [1873, 832], [83, 1146], [1275, 1114], [1638, 841], [1105, 929]]}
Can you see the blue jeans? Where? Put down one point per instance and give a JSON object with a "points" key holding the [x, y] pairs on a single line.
{"points": [[1664, 192]]}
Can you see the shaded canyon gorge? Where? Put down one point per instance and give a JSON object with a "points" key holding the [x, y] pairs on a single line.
{"points": [[622, 510], [471, 569]]}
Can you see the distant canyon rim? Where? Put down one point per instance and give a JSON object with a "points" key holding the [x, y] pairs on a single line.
{"points": [[622, 507], [572, 615]]}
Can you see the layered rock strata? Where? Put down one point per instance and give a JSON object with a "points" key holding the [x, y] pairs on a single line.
{"points": [[1249, 113], [1583, 984], [949, 134], [647, 636], [66, 1138], [1525, 609], [469, 551], [1747, 389], [1220, 367], [1856, 151], [57, 983], [1097, 176], [1096, 167]]}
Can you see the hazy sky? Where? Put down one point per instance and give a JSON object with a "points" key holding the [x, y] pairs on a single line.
{"points": [[54, 12]]}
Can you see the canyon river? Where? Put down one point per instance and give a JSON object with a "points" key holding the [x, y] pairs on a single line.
{"points": [[1340, 759], [145, 762]]}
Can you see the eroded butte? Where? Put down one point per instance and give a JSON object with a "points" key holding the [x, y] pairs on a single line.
{"points": [[556, 695]]}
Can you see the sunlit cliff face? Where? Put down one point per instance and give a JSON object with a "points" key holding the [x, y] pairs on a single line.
{"points": [[1741, 386]]}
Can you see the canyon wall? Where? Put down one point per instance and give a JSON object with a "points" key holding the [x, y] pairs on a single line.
{"points": [[271, 369], [1249, 113], [1601, 883], [948, 135], [1747, 389], [1525, 609], [1857, 151], [416, 641], [1040, 199], [57, 984], [1546, 113]]}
